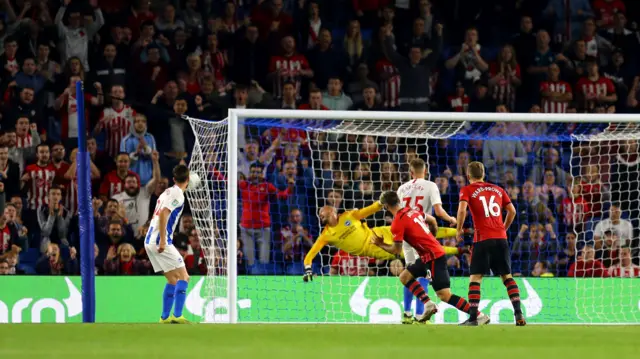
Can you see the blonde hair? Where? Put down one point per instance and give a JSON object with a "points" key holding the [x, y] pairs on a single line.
{"points": [[126, 245], [352, 43]]}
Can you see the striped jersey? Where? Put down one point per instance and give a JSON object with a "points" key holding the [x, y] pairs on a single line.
{"points": [[117, 124], [173, 199]]}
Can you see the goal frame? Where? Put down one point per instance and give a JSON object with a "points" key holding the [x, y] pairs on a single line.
{"points": [[237, 115]]}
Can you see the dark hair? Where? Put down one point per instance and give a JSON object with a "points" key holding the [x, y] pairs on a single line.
{"points": [[41, 145], [10, 39], [288, 83], [391, 199], [241, 87], [121, 154], [115, 221], [55, 187], [180, 174], [147, 23], [256, 165]]}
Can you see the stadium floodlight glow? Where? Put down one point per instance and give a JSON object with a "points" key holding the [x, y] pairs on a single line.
{"points": [[586, 141]]}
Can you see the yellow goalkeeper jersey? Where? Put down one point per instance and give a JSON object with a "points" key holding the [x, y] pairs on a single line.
{"points": [[353, 236]]}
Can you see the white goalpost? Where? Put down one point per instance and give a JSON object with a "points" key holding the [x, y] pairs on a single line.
{"points": [[574, 178]]}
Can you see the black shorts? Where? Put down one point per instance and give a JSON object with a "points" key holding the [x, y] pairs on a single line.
{"points": [[491, 255], [439, 272]]}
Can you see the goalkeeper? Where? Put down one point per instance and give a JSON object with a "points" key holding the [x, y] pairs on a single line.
{"points": [[347, 232]]}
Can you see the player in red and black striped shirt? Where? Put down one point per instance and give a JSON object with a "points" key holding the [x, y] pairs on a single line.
{"points": [[409, 225], [490, 248]]}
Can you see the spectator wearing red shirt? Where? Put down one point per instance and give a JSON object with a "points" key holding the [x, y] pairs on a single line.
{"points": [[594, 90], [626, 268], [271, 19], [9, 238], [195, 258], [576, 209], [315, 101], [140, 13], [123, 262], [587, 266], [61, 166], [113, 182], [116, 121], [344, 264], [505, 77], [255, 223], [67, 106], [288, 67], [605, 10], [459, 102], [70, 182], [38, 178], [555, 93]]}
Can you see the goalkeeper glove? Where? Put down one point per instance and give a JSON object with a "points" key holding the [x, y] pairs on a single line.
{"points": [[308, 274], [382, 198]]}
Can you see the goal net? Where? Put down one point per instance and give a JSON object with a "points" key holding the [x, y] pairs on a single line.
{"points": [[574, 180]]}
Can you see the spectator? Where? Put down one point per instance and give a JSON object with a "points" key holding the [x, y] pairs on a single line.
{"points": [[625, 268], [289, 100], [593, 89], [113, 183], [567, 18], [524, 42], [415, 72], [29, 77], [140, 145], [9, 173], [38, 179], [555, 93], [116, 121], [620, 36], [70, 182], [575, 208], [10, 60], [620, 228], [271, 20], [575, 66], [354, 46], [67, 105], [111, 68], [468, 61], [597, 46], [22, 105], [327, 61], [195, 259], [531, 209], [587, 266], [315, 101], [296, 241], [594, 191], [502, 156], [61, 166], [361, 82], [123, 262], [75, 36], [168, 23], [549, 192], [255, 220], [541, 269], [550, 160], [625, 170], [251, 61], [136, 200], [542, 58], [52, 262], [334, 98], [4, 267], [54, 221], [369, 100], [214, 62]]}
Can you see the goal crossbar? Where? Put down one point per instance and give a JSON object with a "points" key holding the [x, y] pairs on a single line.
{"points": [[235, 114]]}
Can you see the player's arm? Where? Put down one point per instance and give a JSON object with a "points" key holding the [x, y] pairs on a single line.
{"points": [[511, 215], [433, 224], [367, 211], [395, 248], [163, 219], [308, 259], [442, 214], [461, 216]]}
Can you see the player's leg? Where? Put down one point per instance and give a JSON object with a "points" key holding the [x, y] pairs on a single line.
{"points": [[169, 289], [410, 256], [408, 279], [500, 263], [441, 283], [479, 266], [444, 232], [171, 263]]}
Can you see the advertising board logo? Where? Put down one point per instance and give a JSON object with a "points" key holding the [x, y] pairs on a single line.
{"points": [[214, 310], [31, 310]]}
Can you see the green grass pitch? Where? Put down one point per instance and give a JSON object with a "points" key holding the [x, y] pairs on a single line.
{"points": [[142, 341]]}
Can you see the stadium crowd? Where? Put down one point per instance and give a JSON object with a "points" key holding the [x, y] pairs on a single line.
{"points": [[145, 63]]}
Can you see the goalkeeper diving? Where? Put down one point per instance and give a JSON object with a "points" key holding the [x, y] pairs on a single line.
{"points": [[347, 232]]}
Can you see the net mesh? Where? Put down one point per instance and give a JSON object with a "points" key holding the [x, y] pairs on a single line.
{"points": [[563, 178]]}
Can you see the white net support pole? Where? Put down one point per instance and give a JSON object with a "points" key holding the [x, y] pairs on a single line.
{"points": [[232, 217]]}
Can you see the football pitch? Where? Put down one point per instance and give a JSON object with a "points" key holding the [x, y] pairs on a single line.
{"points": [[141, 341]]}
